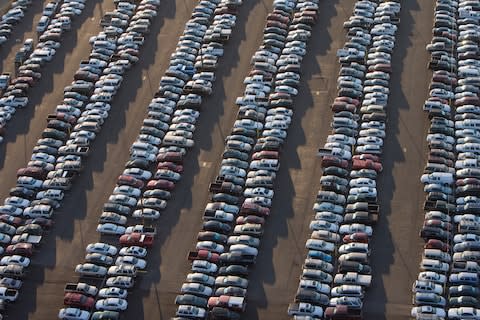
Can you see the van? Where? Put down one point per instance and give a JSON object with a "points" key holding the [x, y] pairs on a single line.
{"points": [[465, 266], [38, 211], [468, 278], [469, 227], [437, 178], [42, 24], [433, 265], [426, 286]]}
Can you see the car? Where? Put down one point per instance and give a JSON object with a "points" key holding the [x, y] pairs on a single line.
{"points": [[113, 292], [73, 313], [112, 304], [90, 269], [102, 248]]}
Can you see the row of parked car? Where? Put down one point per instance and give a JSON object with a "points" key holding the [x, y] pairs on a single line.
{"points": [[243, 189], [58, 155], [14, 15], [31, 58], [448, 284], [336, 271], [164, 138]]}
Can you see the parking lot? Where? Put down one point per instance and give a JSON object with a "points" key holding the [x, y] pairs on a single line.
{"points": [[396, 246]]}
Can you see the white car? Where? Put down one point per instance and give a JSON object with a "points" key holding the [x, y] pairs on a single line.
{"points": [[432, 276], [102, 248], [110, 228], [258, 192], [428, 312], [134, 251], [204, 266], [355, 227], [15, 259], [464, 313], [112, 304], [17, 202], [73, 314], [191, 312], [91, 270], [123, 200], [113, 292], [147, 213], [210, 246], [131, 260], [128, 191]]}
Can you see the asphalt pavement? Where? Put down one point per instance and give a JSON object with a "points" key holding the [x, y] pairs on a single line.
{"points": [[274, 280]]}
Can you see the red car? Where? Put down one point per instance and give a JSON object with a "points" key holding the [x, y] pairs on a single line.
{"points": [[78, 300], [229, 302], [356, 237], [329, 161], [353, 101], [34, 172], [437, 244], [62, 116], [367, 164], [170, 166], [465, 181], [250, 219], [251, 208], [15, 221], [23, 249], [438, 224], [161, 184], [204, 255], [130, 181], [365, 156], [42, 222], [343, 106], [175, 157], [265, 154], [136, 239]]}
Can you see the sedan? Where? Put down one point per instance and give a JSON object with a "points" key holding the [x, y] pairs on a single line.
{"points": [[73, 314], [90, 269], [112, 304], [113, 292]]}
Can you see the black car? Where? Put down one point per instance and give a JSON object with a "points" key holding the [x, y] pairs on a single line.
{"points": [[464, 290], [31, 228], [117, 208], [190, 299], [231, 291], [336, 171], [237, 154], [463, 301], [224, 197], [237, 258], [212, 236], [230, 178], [434, 233], [22, 193], [219, 313], [138, 163], [55, 134], [157, 193], [233, 270], [311, 296], [353, 266], [217, 226]]}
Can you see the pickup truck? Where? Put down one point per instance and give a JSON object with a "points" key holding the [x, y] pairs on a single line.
{"points": [[82, 288], [73, 149], [440, 205], [26, 238], [353, 278], [362, 206], [361, 217], [219, 215], [140, 228], [225, 187], [203, 255], [342, 312], [233, 303]]}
